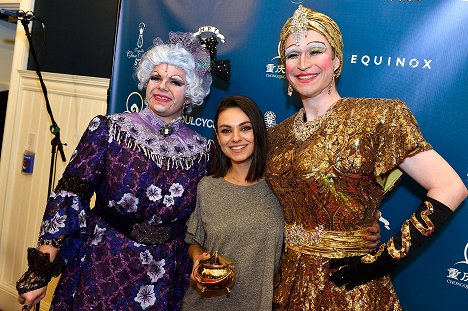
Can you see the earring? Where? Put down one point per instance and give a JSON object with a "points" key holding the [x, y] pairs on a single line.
{"points": [[187, 110], [290, 90], [331, 84]]}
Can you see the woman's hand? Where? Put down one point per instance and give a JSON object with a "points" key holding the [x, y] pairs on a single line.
{"points": [[29, 299], [374, 233], [196, 253], [196, 260]]}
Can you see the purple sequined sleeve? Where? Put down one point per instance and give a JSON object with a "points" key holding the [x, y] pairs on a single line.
{"points": [[68, 206]]}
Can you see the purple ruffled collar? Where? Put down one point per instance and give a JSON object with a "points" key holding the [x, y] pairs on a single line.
{"points": [[141, 131]]}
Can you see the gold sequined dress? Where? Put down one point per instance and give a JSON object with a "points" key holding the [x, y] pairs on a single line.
{"points": [[328, 176]]}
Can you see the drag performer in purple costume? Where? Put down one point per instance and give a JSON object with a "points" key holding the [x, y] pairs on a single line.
{"points": [[128, 252]]}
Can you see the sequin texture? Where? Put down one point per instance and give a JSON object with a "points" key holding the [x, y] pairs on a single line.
{"points": [[325, 173]]}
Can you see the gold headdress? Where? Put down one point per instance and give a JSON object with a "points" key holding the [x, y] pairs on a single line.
{"points": [[305, 19]]}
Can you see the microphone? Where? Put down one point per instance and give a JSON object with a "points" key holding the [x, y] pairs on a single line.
{"points": [[20, 14]]}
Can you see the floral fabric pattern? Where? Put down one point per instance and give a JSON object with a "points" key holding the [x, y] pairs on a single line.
{"points": [[122, 158]]}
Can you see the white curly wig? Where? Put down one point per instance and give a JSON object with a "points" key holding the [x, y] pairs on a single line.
{"points": [[174, 54]]}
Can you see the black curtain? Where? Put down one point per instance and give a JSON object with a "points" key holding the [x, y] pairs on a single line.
{"points": [[79, 36]]}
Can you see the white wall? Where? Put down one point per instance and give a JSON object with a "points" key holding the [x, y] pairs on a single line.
{"points": [[7, 44], [74, 101]]}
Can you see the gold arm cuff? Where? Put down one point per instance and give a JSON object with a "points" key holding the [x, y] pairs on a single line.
{"points": [[328, 244]]}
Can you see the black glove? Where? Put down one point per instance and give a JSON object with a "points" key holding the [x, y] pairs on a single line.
{"points": [[354, 271], [40, 271]]}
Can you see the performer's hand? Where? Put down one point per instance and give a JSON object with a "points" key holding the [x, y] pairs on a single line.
{"points": [[29, 299], [374, 233], [352, 272]]}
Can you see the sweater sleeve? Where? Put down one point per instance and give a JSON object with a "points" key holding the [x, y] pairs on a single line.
{"points": [[195, 229]]}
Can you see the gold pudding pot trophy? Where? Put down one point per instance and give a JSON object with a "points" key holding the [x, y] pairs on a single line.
{"points": [[216, 273]]}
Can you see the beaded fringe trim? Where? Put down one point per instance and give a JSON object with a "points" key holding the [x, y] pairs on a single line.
{"points": [[185, 163]]}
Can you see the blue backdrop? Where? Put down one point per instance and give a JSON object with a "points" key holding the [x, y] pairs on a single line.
{"points": [[413, 50]]}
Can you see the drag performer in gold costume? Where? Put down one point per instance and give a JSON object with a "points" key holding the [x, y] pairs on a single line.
{"points": [[330, 165]]}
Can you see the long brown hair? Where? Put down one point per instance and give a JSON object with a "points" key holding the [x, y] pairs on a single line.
{"points": [[221, 163]]}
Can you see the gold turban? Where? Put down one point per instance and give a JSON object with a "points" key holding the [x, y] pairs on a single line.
{"points": [[307, 19]]}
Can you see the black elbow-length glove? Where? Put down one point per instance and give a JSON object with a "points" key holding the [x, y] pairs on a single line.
{"points": [[354, 271]]}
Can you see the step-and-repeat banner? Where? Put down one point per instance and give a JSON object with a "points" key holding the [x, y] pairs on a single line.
{"points": [[416, 50]]}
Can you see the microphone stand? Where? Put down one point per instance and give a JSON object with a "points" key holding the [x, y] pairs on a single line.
{"points": [[54, 128], [25, 18]]}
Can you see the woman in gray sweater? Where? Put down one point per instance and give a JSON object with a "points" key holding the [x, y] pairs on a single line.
{"points": [[238, 215], [236, 212]]}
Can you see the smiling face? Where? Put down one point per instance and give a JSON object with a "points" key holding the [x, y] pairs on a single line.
{"points": [[165, 92], [236, 136], [310, 65]]}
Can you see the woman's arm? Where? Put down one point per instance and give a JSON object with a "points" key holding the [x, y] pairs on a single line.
{"points": [[445, 192], [440, 180], [196, 253]]}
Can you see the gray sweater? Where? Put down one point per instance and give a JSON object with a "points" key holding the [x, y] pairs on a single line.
{"points": [[245, 224]]}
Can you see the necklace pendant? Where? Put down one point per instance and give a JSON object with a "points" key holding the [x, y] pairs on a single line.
{"points": [[166, 130]]}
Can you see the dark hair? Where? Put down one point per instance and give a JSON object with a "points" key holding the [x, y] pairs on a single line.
{"points": [[221, 163]]}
